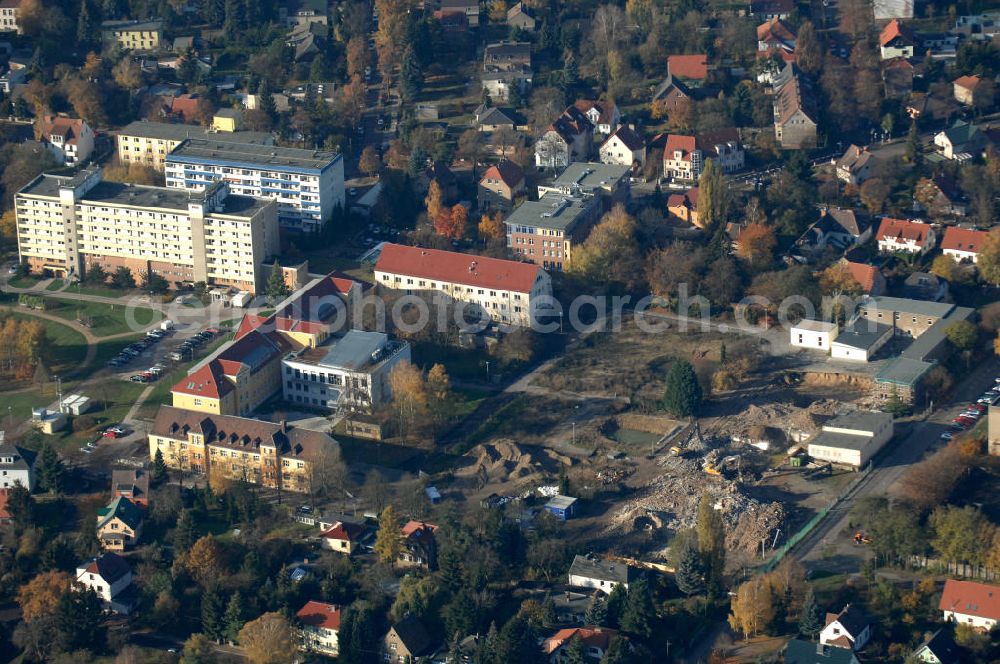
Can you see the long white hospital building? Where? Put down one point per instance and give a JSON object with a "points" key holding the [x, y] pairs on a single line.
{"points": [[65, 224]]}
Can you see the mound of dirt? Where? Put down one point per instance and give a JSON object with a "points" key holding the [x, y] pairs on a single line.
{"points": [[505, 460]]}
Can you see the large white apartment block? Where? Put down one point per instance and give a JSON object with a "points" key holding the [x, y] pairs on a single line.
{"points": [[349, 372], [504, 291], [307, 184], [66, 224], [149, 143]]}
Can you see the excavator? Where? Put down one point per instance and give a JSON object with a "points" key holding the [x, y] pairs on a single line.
{"points": [[861, 538]]}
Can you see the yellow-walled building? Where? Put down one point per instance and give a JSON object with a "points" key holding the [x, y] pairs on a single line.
{"points": [[237, 448], [133, 35]]}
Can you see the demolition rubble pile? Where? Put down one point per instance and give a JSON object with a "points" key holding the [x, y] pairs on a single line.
{"points": [[672, 502], [784, 416], [505, 460]]}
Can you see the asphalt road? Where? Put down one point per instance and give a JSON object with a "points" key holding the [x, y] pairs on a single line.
{"points": [[814, 551]]}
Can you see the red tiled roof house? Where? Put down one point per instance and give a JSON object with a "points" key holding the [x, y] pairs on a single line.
{"points": [[971, 603], [500, 186], [320, 628], [342, 537], [962, 244], [903, 235]]}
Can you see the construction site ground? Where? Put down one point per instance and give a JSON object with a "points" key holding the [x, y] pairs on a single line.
{"points": [[594, 413]]}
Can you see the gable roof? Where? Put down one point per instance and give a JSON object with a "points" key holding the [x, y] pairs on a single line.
{"points": [[629, 137], [902, 230], [320, 614], [677, 143], [419, 527], [961, 133], [668, 85], [688, 199], [185, 105], [135, 482], [606, 109], [776, 30], [798, 651], [967, 82], [506, 171], [793, 94], [971, 598], [571, 123], [497, 116], [962, 239], [595, 568], [942, 645], [239, 433], [59, 125], [120, 508], [854, 158], [864, 274], [592, 637], [108, 566], [348, 532], [454, 267], [688, 66], [895, 30], [851, 618], [23, 459], [840, 220], [411, 632]]}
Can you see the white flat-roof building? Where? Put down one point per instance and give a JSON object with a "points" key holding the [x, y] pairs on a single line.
{"points": [[860, 341], [350, 371], [815, 334], [307, 184], [852, 439]]}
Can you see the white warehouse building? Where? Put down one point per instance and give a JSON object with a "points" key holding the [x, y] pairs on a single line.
{"points": [[815, 334], [852, 439]]}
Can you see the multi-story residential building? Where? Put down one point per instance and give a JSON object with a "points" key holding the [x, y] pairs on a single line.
{"points": [[963, 244], [320, 625], [407, 641], [244, 373], [16, 467], [506, 65], [419, 545], [500, 186], [70, 139], [967, 89], [911, 237], [133, 35], [505, 291], [896, 41], [684, 157], [149, 143], [795, 115], [566, 140], [108, 575], [274, 455], [350, 372], [625, 147], [66, 224], [119, 525], [307, 184], [610, 182], [9, 12], [547, 231]]}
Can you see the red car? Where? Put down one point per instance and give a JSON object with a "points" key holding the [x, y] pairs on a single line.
{"points": [[114, 432], [977, 406]]}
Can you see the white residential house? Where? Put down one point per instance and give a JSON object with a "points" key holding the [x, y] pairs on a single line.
{"points": [[566, 140], [592, 572], [849, 629], [963, 244], [603, 115], [904, 235], [16, 467], [624, 147], [320, 627], [971, 603], [814, 334], [109, 576], [71, 140]]}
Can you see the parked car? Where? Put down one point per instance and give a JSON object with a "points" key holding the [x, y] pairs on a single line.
{"points": [[947, 435], [138, 378], [176, 357]]}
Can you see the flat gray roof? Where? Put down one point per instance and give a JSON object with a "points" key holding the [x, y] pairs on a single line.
{"points": [[862, 334], [561, 502], [178, 132], [117, 193], [354, 350], [924, 345], [858, 420], [552, 210], [904, 305], [903, 371], [607, 570], [216, 150], [590, 176], [814, 325], [843, 441]]}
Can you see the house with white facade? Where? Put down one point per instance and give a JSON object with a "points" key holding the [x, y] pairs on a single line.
{"points": [[814, 334], [624, 147], [16, 467], [505, 291], [71, 140], [904, 235], [896, 41], [592, 572], [850, 628], [110, 577], [603, 115], [970, 603], [320, 627], [566, 140], [684, 157], [963, 244]]}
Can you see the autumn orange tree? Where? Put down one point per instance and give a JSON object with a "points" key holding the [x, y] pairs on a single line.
{"points": [[369, 162], [204, 561], [837, 279], [450, 222], [491, 228], [756, 245], [39, 597], [434, 201], [611, 252], [270, 639], [409, 395], [357, 56]]}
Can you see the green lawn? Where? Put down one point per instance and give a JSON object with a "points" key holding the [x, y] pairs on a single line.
{"points": [[25, 282], [106, 319], [101, 291], [55, 285]]}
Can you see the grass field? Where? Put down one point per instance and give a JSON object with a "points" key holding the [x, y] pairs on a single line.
{"points": [[107, 319], [67, 345], [101, 291], [25, 282], [55, 285]]}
